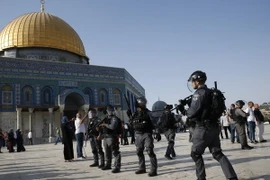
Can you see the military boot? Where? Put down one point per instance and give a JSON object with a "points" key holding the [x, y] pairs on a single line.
{"points": [[140, 171], [95, 164], [107, 167], [153, 173], [116, 170]]}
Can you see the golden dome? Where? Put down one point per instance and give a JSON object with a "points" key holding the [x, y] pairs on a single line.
{"points": [[40, 29]]}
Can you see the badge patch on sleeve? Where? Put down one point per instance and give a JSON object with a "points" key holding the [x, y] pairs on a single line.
{"points": [[195, 97]]}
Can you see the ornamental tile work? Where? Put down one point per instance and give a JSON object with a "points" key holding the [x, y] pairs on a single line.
{"points": [[111, 96], [96, 96], [17, 94], [34, 68], [38, 95]]}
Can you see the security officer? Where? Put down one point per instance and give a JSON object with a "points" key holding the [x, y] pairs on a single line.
{"points": [[143, 127], [241, 118], [110, 136], [206, 131], [94, 141], [167, 123]]}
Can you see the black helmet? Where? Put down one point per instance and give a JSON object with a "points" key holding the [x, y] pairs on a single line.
{"points": [[198, 76], [240, 103], [168, 107], [141, 102], [110, 110]]}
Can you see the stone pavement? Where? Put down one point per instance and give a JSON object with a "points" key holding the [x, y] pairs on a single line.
{"points": [[46, 162]]}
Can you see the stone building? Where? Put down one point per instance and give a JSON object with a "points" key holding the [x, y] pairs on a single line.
{"points": [[45, 74]]}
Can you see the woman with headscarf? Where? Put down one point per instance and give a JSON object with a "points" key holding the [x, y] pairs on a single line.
{"points": [[11, 140], [19, 141], [67, 134]]}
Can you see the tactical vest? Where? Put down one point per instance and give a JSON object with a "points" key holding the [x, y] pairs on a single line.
{"points": [[168, 121], [110, 131], [142, 122], [240, 119]]}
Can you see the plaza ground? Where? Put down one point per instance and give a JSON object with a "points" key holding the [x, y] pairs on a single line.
{"points": [[46, 162]]}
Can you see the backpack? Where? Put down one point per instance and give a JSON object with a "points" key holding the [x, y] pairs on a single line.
{"points": [[119, 129], [217, 106]]}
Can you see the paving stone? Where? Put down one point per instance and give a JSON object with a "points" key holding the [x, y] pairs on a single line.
{"points": [[46, 162]]}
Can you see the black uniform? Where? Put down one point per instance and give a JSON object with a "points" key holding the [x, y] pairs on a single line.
{"points": [[95, 143], [111, 142], [206, 134], [167, 123], [143, 127]]}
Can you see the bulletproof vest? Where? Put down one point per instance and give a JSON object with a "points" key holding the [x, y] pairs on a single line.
{"points": [[142, 121], [168, 121], [110, 131]]}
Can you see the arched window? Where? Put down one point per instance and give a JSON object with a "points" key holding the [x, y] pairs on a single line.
{"points": [[46, 95], [90, 93], [117, 97], [103, 97], [28, 95], [7, 95]]}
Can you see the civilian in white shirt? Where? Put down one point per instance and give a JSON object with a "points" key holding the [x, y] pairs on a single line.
{"points": [[225, 124], [30, 138], [79, 134], [251, 122]]}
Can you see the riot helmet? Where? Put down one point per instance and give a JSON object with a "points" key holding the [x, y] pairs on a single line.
{"points": [[141, 102], [240, 103], [92, 113], [110, 110], [199, 76], [168, 107]]}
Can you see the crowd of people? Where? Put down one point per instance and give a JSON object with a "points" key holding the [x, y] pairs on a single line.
{"points": [[12, 139], [250, 124], [206, 123]]}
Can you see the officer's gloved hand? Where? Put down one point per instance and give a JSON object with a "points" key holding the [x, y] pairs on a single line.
{"points": [[157, 137], [181, 108], [129, 113]]}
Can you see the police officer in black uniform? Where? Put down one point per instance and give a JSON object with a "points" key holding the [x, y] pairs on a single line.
{"points": [[110, 135], [206, 131], [167, 123], [94, 141], [241, 119], [143, 127]]}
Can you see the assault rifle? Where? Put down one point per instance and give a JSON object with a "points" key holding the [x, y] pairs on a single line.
{"points": [[95, 126], [128, 105]]}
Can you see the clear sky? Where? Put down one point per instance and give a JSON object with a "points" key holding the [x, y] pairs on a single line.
{"points": [[161, 42]]}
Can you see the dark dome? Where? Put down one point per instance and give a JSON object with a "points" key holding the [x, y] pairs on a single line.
{"points": [[159, 105]]}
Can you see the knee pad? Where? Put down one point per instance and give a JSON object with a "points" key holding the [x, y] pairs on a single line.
{"points": [[139, 152], [150, 152], [217, 155], [195, 156]]}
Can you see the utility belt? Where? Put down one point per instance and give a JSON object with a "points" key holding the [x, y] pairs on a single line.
{"points": [[206, 123], [109, 135]]}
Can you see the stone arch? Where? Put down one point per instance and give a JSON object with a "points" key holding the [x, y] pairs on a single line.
{"points": [[117, 97], [73, 101], [27, 95], [47, 95], [90, 93], [103, 97]]}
